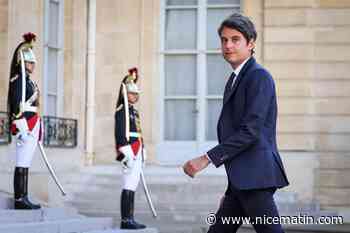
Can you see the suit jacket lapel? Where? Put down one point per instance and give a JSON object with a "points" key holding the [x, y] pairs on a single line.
{"points": [[228, 95]]}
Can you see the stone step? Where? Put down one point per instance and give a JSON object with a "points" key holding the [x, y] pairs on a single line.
{"points": [[41, 215], [151, 179], [159, 196], [345, 228], [112, 206], [174, 216], [140, 199], [154, 174], [179, 206], [298, 207], [176, 187], [182, 203], [165, 193], [285, 197], [147, 230], [295, 229], [173, 229], [166, 222], [6, 202], [60, 226]]}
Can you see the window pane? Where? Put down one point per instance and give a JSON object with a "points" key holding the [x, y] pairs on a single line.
{"points": [[213, 113], [218, 72], [51, 105], [215, 18], [180, 120], [181, 2], [52, 71], [180, 75], [180, 29], [213, 2], [53, 26]]}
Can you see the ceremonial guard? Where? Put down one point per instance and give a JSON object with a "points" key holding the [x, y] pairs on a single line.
{"points": [[129, 146], [23, 102]]}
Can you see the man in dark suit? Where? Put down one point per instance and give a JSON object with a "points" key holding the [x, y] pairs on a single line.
{"points": [[247, 135]]}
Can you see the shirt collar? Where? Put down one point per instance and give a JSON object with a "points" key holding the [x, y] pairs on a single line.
{"points": [[239, 68]]}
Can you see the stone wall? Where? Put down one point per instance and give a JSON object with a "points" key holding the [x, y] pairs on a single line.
{"points": [[306, 47], [75, 53], [126, 37], [4, 70]]}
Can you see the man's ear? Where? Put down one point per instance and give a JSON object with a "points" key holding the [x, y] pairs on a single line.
{"points": [[251, 45]]}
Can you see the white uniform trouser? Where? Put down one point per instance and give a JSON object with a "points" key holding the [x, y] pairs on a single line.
{"points": [[25, 151], [131, 176]]}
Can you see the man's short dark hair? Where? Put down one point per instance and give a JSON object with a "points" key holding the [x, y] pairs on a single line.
{"points": [[240, 23]]}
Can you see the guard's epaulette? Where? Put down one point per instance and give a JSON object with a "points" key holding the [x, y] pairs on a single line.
{"points": [[120, 107], [14, 78]]}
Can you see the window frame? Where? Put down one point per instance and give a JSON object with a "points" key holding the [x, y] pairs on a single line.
{"points": [[201, 97], [60, 58]]}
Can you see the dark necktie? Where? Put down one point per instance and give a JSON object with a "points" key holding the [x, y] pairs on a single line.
{"points": [[229, 84]]}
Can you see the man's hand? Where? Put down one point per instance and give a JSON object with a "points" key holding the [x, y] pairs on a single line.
{"points": [[195, 165]]}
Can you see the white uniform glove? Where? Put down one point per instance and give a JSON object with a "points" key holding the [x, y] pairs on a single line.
{"points": [[128, 160], [23, 130]]}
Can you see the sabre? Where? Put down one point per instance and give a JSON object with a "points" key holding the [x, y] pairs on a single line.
{"points": [[49, 167], [148, 197]]}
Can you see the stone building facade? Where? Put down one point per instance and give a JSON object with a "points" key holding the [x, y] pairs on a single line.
{"points": [[305, 45]]}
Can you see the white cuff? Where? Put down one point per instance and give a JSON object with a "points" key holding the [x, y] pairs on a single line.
{"points": [[208, 158]]}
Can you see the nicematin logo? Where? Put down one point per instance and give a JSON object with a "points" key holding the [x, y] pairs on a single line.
{"points": [[212, 219]]}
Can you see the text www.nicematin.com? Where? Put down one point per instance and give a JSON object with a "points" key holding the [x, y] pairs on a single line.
{"points": [[289, 220]]}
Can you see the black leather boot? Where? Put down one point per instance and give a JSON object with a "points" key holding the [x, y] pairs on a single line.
{"points": [[127, 200], [20, 186]]}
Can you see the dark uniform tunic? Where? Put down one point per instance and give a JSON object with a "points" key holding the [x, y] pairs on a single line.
{"points": [[15, 98], [119, 131]]}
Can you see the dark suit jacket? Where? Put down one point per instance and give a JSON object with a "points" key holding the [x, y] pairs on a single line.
{"points": [[247, 132]]}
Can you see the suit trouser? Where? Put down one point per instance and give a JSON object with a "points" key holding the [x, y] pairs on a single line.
{"points": [[247, 203]]}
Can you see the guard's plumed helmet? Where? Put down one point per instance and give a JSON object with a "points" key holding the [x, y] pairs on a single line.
{"points": [[130, 81], [128, 85], [27, 48]]}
